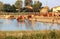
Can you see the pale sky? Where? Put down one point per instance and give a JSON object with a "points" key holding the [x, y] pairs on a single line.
{"points": [[50, 3]]}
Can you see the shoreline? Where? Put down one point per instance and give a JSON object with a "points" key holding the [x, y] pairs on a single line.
{"points": [[36, 18]]}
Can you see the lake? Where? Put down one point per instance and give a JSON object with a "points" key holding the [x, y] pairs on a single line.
{"points": [[14, 25]]}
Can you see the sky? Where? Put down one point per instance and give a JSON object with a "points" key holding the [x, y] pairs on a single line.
{"points": [[50, 3]]}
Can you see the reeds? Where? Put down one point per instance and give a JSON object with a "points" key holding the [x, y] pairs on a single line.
{"points": [[32, 35]]}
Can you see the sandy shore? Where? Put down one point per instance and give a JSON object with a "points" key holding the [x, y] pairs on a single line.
{"points": [[47, 19], [37, 18], [6, 16]]}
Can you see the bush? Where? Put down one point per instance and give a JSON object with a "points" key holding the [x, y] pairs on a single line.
{"points": [[52, 34]]}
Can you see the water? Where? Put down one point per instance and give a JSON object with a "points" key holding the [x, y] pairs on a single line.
{"points": [[13, 25]]}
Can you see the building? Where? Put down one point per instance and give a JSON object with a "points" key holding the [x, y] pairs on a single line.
{"points": [[56, 9], [44, 10]]}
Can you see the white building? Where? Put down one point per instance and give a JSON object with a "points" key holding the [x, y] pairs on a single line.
{"points": [[56, 9]]}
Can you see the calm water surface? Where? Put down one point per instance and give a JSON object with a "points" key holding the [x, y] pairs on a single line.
{"points": [[12, 25]]}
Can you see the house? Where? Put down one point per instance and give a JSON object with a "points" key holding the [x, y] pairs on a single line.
{"points": [[44, 10], [56, 9]]}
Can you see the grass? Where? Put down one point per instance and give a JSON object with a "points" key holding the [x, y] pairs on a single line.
{"points": [[30, 35]]}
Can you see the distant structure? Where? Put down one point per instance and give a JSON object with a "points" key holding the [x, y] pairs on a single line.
{"points": [[28, 2], [44, 10], [56, 9]]}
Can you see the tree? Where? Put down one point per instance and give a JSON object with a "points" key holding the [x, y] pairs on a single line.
{"points": [[18, 4], [7, 7], [13, 8], [1, 6], [37, 6], [28, 2]]}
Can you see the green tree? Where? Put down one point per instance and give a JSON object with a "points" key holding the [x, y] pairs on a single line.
{"points": [[13, 8], [1, 6], [7, 7], [28, 2], [37, 6], [18, 4]]}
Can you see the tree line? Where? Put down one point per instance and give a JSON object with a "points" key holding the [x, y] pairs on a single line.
{"points": [[17, 7]]}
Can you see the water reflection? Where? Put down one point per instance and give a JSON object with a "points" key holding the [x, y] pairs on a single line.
{"points": [[58, 25], [11, 25], [28, 25]]}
